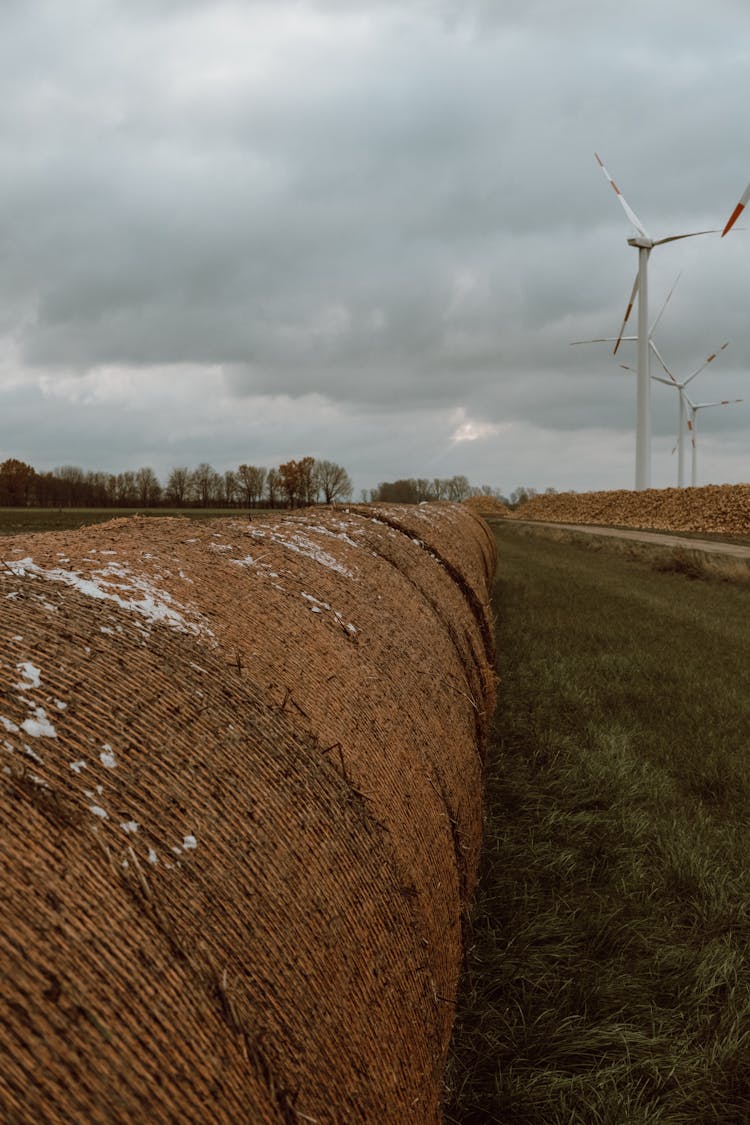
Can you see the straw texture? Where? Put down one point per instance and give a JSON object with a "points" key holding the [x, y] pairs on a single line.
{"points": [[240, 794]]}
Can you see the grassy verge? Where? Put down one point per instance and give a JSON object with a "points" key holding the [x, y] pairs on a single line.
{"points": [[707, 536], [20, 521], [608, 975]]}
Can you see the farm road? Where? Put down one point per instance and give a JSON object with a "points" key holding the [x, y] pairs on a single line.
{"points": [[730, 560]]}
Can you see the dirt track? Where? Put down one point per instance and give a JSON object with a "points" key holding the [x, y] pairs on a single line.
{"points": [[728, 560]]}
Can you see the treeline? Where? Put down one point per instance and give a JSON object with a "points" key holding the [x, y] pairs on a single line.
{"points": [[293, 484], [417, 490]]}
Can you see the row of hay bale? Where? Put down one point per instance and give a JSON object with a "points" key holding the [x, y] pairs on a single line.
{"points": [[722, 509], [240, 790]]}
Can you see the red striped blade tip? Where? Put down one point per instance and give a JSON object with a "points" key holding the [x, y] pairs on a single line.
{"points": [[733, 217]]}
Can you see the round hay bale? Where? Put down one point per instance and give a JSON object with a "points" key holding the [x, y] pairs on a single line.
{"points": [[240, 783]]}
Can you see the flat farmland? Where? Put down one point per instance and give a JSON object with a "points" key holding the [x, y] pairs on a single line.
{"points": [[21, 521], [608, 973]]}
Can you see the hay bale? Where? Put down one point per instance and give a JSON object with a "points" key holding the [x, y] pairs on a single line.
{"points": [[721, 509], [240, 789]]}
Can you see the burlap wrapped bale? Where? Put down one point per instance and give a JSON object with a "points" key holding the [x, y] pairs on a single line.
{"points": [[240, 793]]}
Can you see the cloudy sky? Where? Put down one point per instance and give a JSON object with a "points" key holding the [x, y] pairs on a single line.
{"points": [[367, 231]]}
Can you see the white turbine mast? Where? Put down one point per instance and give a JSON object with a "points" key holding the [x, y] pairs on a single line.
{"points": [[644, 245], [692, 425]]}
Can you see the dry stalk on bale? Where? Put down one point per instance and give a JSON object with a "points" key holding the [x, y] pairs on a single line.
{"points": [[241, 814]]}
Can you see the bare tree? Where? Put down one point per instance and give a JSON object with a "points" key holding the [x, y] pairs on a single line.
{"points": [[230, 487], [72, 478], [205, 485], [520, 495], [397, 491], [333, 480], [126, 489], [147, 487], [177, 486], [96, 489], [309, 489], [273, 487], [252, 480], [459, 489]]}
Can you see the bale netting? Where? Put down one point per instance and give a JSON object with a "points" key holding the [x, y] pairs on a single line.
{"points": [[240, 788]]}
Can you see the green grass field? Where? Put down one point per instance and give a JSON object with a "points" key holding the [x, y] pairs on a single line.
{"points": [[17, 521], [608, 974]]}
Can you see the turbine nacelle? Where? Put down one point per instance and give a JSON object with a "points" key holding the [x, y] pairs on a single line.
{"points": [[642, 243]]}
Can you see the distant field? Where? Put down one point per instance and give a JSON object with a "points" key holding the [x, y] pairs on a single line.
{"points": [[608, 976], [15, 521]]}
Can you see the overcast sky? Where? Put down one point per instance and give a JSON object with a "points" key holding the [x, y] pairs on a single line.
{"points": [[244, 232]]}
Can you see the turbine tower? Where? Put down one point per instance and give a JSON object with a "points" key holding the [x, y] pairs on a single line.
{"points": [[644, 244], [694, 407], [684, 404]]}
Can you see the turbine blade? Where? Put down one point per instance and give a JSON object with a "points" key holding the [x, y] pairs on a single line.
{"points": [[660, 357], [669, 297], [602, 340], [722, 402], [628, 311], [598, 340], [737, 211], [677, 237], [625, 205], [704, 365]]}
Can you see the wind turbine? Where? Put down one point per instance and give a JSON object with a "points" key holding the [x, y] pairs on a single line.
{"points": [[683, 420], [693, 427], [644, 245]]}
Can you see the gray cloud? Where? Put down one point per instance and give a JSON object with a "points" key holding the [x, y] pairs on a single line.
{"points": [[392, 208]]}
